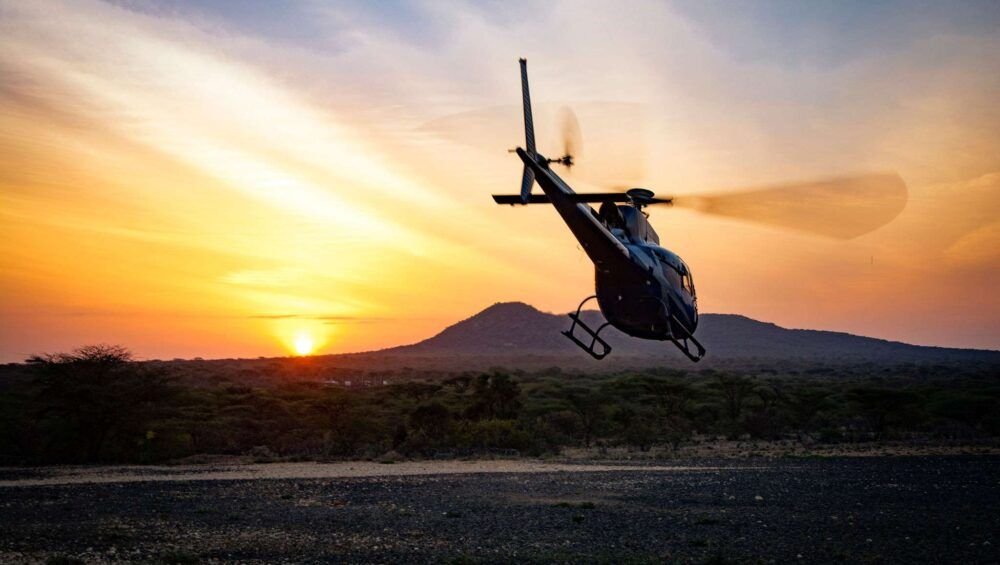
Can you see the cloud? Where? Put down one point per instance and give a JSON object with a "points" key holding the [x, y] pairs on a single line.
{"points": [[329, 319], [231, 160]]}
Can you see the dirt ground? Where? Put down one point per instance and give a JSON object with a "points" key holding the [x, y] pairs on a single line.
{"points": [[933, 509]]}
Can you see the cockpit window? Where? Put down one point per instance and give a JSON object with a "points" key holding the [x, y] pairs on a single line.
{"points": [[687, 283], [675, 271]]}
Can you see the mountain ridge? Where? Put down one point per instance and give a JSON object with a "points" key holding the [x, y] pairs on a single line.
{"points": [[506, 328]]}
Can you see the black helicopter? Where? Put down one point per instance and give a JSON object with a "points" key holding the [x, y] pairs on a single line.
{"points": [[644, 289]]}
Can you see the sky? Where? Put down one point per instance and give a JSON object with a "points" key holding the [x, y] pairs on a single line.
{"points": [[239, 179]]}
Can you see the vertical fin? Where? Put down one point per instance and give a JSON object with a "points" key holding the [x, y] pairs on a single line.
{"points": [[529, 126], [527, 182], [528, 178]]}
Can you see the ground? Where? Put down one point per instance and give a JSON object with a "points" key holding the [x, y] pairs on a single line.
{"points": [[855, 509]]}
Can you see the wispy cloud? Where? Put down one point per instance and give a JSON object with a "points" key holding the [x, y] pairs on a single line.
{"points": [[229, 161]]}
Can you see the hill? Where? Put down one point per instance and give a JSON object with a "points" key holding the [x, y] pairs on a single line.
{"points": [[517, 329]]}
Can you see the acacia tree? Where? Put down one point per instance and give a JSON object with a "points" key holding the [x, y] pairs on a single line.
{"points": [[495, 396], [93, 396], [431, 422], [589, 406], [349, 425], [735, 391], [884, 409]]}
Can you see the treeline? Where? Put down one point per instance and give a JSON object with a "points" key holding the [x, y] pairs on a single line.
{"points": [[98, 405]]}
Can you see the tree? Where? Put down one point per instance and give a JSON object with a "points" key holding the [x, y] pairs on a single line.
{"points": [[735, 392], [804, 405], [884, 408], [495, 396], [349, 425], [93, 397], [589, 406], [433, 420], [637, 427]]}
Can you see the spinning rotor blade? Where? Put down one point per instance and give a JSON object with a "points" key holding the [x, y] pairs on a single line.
{"points": [[615, 152], [842, 208], [571, 137], [647, 200], [578, 197], [640, 196]]}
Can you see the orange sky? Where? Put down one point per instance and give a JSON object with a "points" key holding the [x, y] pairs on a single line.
{"points": [[187, 184]]}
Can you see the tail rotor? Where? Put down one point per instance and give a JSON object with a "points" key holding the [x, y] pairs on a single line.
{"points": [[572, 139]]}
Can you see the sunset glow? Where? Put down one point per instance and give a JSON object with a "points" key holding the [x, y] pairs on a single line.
{"points": [[304, 344], [212, 181]]}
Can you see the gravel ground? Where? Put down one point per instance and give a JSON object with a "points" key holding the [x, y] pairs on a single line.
{"points": [[872, 509]]}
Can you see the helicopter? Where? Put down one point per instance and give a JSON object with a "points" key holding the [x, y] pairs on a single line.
{"points": [[647, 291]]}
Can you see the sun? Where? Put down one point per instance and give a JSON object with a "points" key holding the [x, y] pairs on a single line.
{"points": [[301, 337], [304, 344]]}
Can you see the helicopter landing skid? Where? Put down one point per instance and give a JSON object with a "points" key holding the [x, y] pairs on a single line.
{"points": [[595, 338], [684, 341]]}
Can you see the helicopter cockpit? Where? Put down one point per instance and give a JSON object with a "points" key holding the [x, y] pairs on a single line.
{"points": [[675, 270]]}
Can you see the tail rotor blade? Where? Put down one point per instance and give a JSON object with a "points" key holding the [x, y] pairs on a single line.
{"points": [[572, 139], [615, 148]]}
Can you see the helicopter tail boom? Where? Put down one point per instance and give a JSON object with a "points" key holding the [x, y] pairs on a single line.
{"points": [[603, 248]]}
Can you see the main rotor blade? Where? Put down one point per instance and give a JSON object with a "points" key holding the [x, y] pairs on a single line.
{"points": [[842, 208], [578, 197]]}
